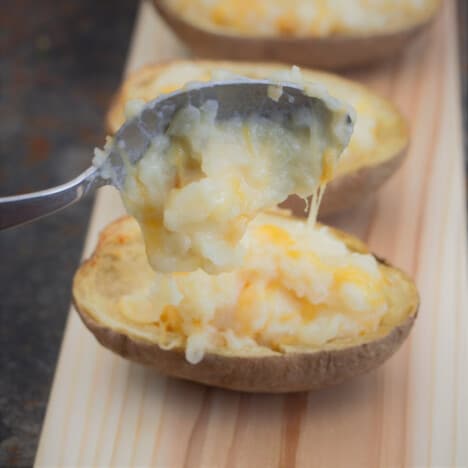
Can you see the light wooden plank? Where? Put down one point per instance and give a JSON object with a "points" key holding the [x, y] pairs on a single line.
{"points": [[412, 412]]}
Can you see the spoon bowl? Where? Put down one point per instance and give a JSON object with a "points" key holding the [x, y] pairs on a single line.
{"points": [[234, 98]]}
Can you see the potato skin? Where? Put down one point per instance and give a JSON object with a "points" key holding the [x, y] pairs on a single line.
{"points": [[328, 53], [351, 189], [347, 191], [294, 372], [270, 373]]}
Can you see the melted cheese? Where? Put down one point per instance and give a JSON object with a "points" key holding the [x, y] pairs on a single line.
{"points": [[303, 17], [199, 185]]}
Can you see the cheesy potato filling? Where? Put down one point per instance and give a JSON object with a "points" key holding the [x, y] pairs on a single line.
{"points": [[200, 183], [200, 195], [298, 287], [303, 17]]}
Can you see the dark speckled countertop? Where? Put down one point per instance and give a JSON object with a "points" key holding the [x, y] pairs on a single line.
{"points": [[60, 62]]}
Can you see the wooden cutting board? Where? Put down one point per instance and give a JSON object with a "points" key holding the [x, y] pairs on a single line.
{"points": [[413, 411]]}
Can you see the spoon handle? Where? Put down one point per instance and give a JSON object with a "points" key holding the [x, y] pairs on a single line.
{"points": [[20, 209]]}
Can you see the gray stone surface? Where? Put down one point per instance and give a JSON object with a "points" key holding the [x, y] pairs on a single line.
{"points": [[60, 62]]}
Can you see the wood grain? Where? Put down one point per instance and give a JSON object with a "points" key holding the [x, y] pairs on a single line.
{"points": [[412, 412]]}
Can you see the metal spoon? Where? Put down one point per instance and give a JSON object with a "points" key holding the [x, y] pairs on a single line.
{"points": [[235, 98]]}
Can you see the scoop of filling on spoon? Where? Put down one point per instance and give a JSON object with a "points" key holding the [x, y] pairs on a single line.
{"points": [[201, 183]]}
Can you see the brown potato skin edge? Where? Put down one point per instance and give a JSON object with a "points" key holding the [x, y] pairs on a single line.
{"points": [[328, 53], [293, 372]]}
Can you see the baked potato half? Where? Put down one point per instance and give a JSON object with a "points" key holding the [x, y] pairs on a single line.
{"points": [[376, 150], [323, 35], [119, 267]]}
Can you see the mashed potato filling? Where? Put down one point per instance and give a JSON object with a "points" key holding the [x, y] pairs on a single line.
{"points": [[201, 182], [297, 288], [303, 17]]}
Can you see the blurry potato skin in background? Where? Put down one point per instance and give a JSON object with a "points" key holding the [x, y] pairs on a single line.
{"points": [[320, 36], [376, 150], [304, 18]]}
